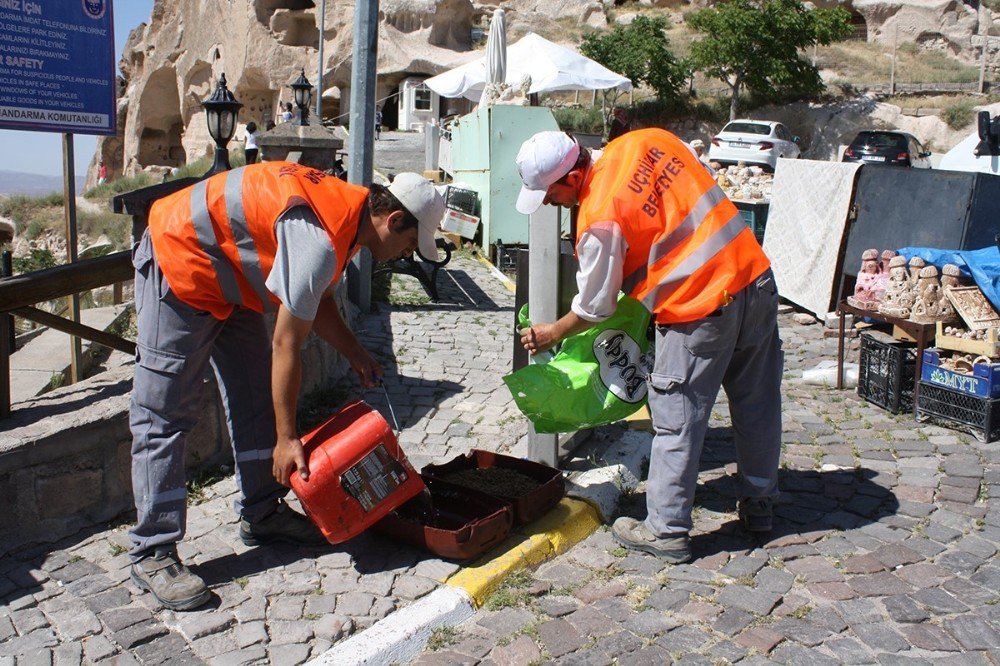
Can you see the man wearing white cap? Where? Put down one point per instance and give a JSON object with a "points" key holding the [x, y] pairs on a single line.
{"points": [[272, 237], [653, 223]]}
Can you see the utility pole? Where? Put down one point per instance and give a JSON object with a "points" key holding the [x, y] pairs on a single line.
{"points": [[543, 305], [892, 72], [984, 29], [319, 69], [361, 142]]}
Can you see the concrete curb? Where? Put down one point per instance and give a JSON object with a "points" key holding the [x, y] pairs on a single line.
{"points": [[497, 273], [594, 495]]}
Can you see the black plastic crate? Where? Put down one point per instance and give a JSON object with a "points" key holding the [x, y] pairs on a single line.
{"points": [[886, 372], [465, 201], [979, 416]]}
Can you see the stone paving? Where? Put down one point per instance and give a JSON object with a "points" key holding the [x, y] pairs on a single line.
{"points": [[72, 602], [884, 551]]}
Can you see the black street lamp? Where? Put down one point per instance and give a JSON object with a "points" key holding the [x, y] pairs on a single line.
{"points": [[221, 110], [303, 94]]}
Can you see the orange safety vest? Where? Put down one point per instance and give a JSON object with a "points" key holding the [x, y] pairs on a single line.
{"points": [[689, 249], [215, 241]]}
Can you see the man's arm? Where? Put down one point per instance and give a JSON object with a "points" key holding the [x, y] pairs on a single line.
{"points": [[330, 326], [601, 250], [286, 378]]}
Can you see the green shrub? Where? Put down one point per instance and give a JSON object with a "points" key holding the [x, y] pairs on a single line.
{"points": [[105, 191], [959, 114], [37, 260], [572, 119]]}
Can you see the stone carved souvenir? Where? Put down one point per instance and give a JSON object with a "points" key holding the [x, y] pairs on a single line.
{"points": [[864, 290], [949, 280], [882, 283], [927, 306], [916, 263], [898, 301]]}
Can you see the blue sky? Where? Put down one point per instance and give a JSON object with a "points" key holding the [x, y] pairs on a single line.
{"points": [[41, 152]]}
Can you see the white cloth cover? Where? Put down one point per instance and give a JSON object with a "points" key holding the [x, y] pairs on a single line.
{"points": [[551, 67], [961, 158], [805, 228]]}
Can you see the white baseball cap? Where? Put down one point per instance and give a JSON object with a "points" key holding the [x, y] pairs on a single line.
{"points": [[697, 143], [543, 159], [418, 195]]}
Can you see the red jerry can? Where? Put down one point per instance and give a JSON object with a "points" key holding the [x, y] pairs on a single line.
{"points": [[357, 473]]}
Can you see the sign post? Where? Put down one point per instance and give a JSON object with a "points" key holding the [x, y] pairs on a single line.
{"points": [[57, 74]]}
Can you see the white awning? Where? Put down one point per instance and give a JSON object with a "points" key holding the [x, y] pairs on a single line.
{"points": [[552, 68]]}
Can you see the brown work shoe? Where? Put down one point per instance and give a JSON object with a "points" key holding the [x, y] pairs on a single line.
{"points": [[634, 534], [283, 525], [170, 582]]}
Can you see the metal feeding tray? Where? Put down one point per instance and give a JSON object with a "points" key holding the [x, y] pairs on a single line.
{"points": [[530, 487], [451, 521]]}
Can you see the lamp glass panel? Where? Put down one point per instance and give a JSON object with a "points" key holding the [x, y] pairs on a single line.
{"points": [[227, 125], [213, 123]]}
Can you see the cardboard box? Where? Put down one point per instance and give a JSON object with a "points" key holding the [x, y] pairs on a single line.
{"points": [[460, 223]]}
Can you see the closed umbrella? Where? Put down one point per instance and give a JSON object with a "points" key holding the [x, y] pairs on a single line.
{"points": [[496, 49]]}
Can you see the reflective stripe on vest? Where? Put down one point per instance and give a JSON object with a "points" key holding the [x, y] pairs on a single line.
{"points": [[688, 248], [245, 245], [202, 221], [694, 261]]}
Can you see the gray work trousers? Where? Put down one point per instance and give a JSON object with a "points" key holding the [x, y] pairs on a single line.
{"points": [[738, 349], [175, 346]]}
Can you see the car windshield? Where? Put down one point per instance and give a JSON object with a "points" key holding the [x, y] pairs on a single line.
{"points": [[876, 140], [748, 128]]}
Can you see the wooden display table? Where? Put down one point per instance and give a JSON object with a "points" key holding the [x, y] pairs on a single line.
{"points": [[922, 333]]}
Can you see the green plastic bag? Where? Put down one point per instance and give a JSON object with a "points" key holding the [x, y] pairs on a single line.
{"points": [[596, 377]]}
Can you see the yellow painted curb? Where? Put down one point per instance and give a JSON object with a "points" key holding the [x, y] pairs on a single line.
{"points": [[507, 282], [568, 523]]}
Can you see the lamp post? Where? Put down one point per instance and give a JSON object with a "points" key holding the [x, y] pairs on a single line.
{"points": [[220, 111], [302, 90]]}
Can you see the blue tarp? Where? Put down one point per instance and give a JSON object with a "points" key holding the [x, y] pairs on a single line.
{"points": [[983, 266]]}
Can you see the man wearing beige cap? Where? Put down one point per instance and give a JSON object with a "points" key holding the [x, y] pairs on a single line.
{"points": [[271, 237], [653, 223]]}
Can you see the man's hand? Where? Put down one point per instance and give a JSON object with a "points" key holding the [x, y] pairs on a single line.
{"points": [[367, 368], [289, 456], [539, 337]]}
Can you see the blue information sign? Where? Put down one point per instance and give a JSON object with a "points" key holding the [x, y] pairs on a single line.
{"points": [[57, 66]]}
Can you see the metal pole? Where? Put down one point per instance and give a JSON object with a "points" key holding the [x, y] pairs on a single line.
{"points": [[361, 142], [69, 194], [984, 28], [892, 72], [319, 86], [543, 305]]}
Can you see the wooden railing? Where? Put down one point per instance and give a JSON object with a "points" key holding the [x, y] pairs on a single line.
{"points": [[20, 294]]}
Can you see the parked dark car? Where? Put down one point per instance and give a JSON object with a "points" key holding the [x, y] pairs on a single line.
{"points": [[883, 147]]}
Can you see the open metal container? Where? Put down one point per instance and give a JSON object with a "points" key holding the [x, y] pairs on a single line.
{"points": [[457, 523], [547, 486]]}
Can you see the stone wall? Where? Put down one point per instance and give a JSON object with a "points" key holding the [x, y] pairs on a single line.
{"points": [[65, 457]]}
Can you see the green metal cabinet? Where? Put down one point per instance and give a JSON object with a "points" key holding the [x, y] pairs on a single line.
{"points": [[484, 145]]}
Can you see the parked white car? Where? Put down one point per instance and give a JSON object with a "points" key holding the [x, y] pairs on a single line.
{"points": [[759, 142]]}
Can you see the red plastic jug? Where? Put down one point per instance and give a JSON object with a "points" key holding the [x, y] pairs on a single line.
{"points": [[357, 473]]}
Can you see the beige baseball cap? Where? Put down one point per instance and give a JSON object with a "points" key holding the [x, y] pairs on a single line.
{"points": [[543, 159], [419, 196]]}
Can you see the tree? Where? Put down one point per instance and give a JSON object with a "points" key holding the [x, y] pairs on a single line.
{"points": [[640, 52], [756, 44]]}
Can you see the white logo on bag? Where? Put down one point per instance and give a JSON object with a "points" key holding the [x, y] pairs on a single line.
{"points": [[619, 358]]}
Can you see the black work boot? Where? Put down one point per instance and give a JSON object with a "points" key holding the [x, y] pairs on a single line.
{"points": [[283, 525], [170, 582], [756, 513]]}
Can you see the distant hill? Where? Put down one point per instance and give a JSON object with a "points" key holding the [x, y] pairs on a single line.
{"points": [[31, 184]]}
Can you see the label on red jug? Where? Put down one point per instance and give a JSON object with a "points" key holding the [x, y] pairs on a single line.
{"points": [[374, 478]]}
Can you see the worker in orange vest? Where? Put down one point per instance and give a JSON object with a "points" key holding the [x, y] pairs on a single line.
{"points": [[653, 222], [271, 237]]}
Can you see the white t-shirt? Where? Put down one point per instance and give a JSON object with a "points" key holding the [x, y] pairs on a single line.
{"points": [[251, 143], [305, 264]]}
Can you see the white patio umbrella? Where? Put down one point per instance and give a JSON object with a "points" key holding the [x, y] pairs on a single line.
{"points": [[496, 49], [552, 68]]}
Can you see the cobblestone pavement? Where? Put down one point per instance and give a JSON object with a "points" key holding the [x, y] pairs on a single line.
{"points": [[72, 602], [396, 152], [884, 552]]}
